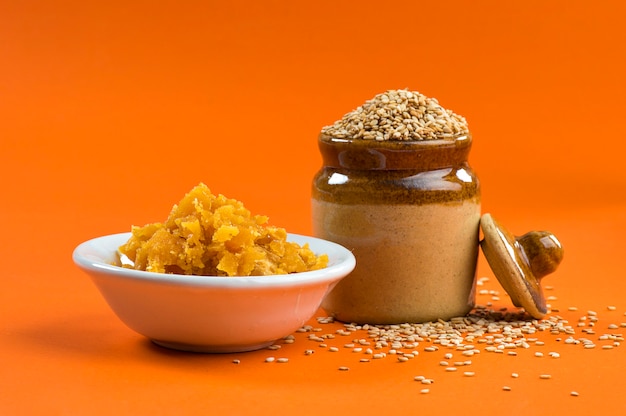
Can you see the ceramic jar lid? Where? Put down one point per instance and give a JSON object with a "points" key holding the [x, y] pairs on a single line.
{"points": [[519, 263]]}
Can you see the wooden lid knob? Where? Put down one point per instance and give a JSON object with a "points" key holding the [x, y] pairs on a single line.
{"points": [[519, 263]]}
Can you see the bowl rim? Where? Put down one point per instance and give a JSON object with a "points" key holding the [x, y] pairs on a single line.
{"points": [[89, 256]]}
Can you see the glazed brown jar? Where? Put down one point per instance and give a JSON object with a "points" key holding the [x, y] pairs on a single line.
{"points": [[410, 212]]}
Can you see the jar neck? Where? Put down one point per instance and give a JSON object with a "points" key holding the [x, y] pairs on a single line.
{"points": [[420, 155]]}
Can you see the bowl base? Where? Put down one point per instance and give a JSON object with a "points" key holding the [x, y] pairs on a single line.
{"points": [[212, 348]]}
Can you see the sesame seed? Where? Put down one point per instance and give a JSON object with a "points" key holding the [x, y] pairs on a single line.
{"points": [[514, 375], [469, 374], [424, 391], [282, 360], [545, 376], [236, 361], [506, 388], [574, 393], [342, 368], [270, 359], [398, 115]]}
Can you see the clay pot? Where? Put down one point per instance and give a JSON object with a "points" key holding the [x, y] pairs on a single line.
{"points": [[410, 212]]}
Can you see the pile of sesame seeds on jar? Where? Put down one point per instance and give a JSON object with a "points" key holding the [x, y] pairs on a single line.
{"points": [[398, 115]]}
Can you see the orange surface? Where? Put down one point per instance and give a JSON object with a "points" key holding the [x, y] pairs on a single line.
{"points": [[110, 112]]}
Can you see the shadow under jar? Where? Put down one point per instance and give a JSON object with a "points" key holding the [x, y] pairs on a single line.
{"points": [[410, 212]]}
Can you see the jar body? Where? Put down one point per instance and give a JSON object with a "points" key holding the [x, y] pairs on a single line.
{"points": [[413, 231]]}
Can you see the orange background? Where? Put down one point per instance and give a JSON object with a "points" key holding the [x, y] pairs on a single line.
{"points": [[111, 111]]}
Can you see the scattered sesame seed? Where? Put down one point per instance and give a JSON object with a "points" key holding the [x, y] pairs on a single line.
{"points": [[611, 308], [574, 393], [270, 359], [469, 374], [424, 391], [506, 388], [342, 368], [282, 360], [545, 376], [514, 375], [236, 361]]}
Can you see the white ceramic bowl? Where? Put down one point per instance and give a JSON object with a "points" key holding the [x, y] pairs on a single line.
{"points": [[210, 313]]}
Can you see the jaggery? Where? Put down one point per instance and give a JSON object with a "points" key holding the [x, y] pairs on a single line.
{"points": [[212, 235]]}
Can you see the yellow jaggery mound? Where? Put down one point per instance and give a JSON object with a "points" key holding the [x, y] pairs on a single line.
{"points": [[213, 235]]}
